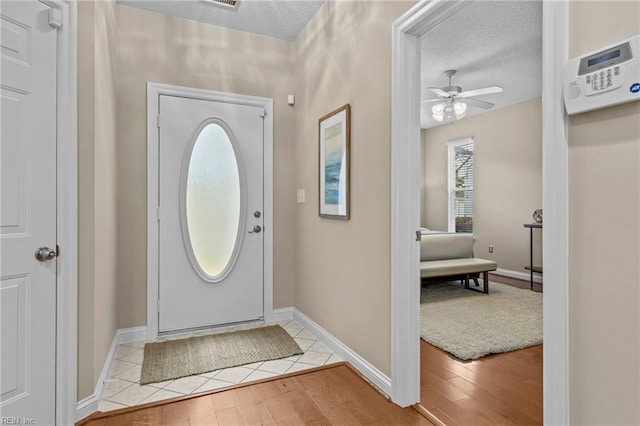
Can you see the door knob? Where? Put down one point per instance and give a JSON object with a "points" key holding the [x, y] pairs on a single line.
{"points": [[45, 253], [256, 229]]}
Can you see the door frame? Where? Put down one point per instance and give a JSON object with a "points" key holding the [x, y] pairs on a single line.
{"points": [[67, 212], [405, 208], [154, 90]]}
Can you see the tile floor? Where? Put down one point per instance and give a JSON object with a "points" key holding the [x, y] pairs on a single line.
{"points": [[122, 388]]}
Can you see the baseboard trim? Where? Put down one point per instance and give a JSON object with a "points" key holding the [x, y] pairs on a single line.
{"points": [[371, 373], [280, 314], [537, 278], [133, 334], [86, 407], [89, 405]]}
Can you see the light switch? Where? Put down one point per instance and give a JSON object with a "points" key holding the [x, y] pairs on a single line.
{"points": [[300, 196]]}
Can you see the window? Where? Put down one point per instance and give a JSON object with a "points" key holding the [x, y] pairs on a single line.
{"points": [[460, 183], [212, 202]]}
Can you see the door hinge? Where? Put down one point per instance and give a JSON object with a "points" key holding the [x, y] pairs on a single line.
{"points": [[55, 18], [158, 306], [263, 114], [158, 213], [158, 121]]}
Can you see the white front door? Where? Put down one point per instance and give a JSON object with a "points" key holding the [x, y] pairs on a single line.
{"points": [[210, 213], [27, 213]]}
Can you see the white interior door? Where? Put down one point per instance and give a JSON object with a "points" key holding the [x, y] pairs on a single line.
{"points": [[27, 212], [210, 213]]}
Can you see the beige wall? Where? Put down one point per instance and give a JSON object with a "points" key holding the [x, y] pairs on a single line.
{"points": [[96, 190], [604, 237], [163, 49], [507, 180], [342, 269]]}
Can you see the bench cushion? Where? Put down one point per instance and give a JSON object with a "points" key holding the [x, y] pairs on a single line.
{"points": [[446, 246], [443, 268]]}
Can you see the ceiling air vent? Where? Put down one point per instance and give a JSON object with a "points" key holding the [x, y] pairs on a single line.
{"points": [[226, 4]]}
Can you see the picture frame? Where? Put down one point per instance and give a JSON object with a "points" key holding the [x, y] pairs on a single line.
{"points": [[334, 152]]}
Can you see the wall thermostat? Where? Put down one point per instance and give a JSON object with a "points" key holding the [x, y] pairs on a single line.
{"points": [[604, 78]]}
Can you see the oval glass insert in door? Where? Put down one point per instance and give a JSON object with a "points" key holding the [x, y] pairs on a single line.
{"points": [[213, 203]]}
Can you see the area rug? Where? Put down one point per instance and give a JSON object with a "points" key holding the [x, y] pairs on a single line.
{"points": [[173, 359], [470, 325]]}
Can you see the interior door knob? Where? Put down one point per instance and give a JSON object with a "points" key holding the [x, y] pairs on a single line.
{"points": [[256, 229], [45, 253]]}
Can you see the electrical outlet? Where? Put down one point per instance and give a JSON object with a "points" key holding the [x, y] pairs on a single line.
{"points": [[490, 249]]}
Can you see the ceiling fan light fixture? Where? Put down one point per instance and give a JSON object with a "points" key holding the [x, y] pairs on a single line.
{"points": [[460, 109], [438, 111], [453, 102], [449, 116]]}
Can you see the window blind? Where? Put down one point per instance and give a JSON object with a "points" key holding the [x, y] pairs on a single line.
{"points": [[461, 186]]}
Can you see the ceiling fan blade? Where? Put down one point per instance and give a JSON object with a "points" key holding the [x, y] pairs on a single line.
{"points": [[431, 100], [478, 103], [479, 92], [439, 92]]}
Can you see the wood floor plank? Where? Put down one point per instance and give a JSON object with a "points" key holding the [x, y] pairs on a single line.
{"points": [[282, 410], [229, 417], [224, 400], [256, 414], [176, 414], [503, 389], [443, 386], [307, 411], [202, 412], [331, 396], [431, 397]]}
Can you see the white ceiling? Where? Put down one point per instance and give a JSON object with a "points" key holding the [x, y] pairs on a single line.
{"points": [[273, 18], [488, 43]]}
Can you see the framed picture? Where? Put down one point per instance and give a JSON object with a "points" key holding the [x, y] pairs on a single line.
{"points": [[334, 130]]}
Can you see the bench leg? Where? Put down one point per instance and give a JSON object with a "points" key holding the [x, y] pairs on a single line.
{"points": [[475, 280], [466, 281], [485, 278]]}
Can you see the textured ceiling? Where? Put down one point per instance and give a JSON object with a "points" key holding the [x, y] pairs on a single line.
{"points": [[488, 43], [275, 18]]}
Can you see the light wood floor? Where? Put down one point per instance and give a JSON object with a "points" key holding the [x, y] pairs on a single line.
{"points": [[504, 389], [334, 395]]}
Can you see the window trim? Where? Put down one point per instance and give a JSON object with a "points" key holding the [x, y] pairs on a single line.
{"points": [[451, 145]]}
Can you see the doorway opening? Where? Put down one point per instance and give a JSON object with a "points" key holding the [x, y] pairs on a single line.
{"points": [[481, 180], [406, 90]]}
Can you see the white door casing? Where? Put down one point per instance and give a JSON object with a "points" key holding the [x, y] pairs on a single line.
{"points": [[154, 91], [28, 211], [230, 291]]}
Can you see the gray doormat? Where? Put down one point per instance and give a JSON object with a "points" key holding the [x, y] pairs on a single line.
{"points": [[173, 359], [470, 325]]}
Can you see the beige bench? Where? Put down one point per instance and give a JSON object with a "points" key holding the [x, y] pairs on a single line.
{"points": [[451, 256]]}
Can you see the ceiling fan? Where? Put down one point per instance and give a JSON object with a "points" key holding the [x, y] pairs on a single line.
{"points": [[452, 101]]}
